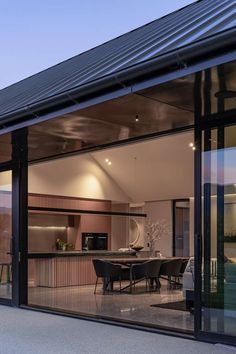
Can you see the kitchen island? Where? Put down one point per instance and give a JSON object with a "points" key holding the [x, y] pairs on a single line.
{"points": [[67, 268]]}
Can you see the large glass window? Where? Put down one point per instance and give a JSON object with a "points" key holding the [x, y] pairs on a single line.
{"points": [[161, 108], [219, 280], [217, 89], [154, 110], [112, 207], [109, 203]]}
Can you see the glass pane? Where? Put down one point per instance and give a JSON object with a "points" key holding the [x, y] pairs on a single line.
{"points": [[157, 109], [153, 110], [219, 280], [113, 205], [218, 89], [5, 234]]}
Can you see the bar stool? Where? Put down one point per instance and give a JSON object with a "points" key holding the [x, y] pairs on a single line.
{"points": [[8, 268]]}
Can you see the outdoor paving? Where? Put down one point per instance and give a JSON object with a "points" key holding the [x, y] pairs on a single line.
{"points": [[25, 331]]}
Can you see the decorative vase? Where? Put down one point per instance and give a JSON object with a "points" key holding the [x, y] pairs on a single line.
{"points": [[64, 248], [152, 248]]}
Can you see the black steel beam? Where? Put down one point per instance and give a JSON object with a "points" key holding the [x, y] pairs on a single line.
{"points": [[20, 217], [82, 211]]}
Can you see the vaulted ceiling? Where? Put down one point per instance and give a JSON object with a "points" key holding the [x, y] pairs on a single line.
{"points": [[157, 169], [153, 170]]}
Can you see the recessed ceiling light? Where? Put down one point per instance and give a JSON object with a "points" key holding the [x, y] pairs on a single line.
{"points": [[109, 163], [107, 160], [194, 148], [191, 145], [137, 118]]}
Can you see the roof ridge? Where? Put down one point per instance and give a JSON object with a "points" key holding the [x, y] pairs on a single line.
{"points": [[99, 45]]}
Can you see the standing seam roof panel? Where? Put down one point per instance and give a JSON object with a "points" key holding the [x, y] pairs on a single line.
{"points": [[195, 22], [81, 80]]}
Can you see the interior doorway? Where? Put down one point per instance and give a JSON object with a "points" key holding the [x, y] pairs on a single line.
{"points": [[6, 235], [181, 228]]}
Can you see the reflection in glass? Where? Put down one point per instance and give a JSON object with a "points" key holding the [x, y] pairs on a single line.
{"points": [[218, 85], [153, 110], [219, 170], [160, 108]]}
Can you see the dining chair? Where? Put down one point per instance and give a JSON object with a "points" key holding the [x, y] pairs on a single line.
{"points": [[138, 273], [182, 270], [153, 268], [170, 271], [108, 271], [148, 271], [183, 266]]}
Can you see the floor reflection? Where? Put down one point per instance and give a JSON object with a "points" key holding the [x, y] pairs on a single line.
{"points": [[132, 307]]}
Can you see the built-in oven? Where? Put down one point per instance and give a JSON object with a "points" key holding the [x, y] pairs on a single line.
{"points": [[92, 241]]}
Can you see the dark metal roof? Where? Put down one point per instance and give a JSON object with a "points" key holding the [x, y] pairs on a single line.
{"points": [[194, 23]]}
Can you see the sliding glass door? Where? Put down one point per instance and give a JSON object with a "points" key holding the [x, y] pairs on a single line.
{"points": [[6, 235], [216, 249]]}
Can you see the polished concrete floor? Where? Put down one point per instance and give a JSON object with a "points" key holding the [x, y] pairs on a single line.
{"points": [[129, 307]]}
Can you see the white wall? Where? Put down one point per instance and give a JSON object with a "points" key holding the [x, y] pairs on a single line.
{"points": [[78, 176]]}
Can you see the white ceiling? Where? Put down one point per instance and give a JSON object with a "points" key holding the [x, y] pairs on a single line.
{"points": [[157, 169]]}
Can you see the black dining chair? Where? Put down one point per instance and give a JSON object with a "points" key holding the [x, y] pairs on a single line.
{"points": [[170, 271], [148, 271], [109, 272], [153, 268], [182, 270], [183, 266], [138, 274]]}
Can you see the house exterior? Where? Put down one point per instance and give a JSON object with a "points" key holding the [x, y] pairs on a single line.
{"points": [[179, 74]]}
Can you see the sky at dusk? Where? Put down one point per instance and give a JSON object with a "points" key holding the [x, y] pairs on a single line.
{"points": [[38, 34]]}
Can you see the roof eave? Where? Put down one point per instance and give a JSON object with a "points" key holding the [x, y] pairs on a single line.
{"points": [[177, 57]]}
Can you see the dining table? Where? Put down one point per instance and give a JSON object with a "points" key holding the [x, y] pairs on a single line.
{"points": [[129, 261], [135, 260]]}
